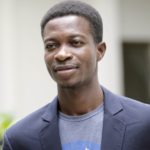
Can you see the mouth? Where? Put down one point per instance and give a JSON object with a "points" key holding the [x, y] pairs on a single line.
{"points": [[61, 68], [65, 72]]}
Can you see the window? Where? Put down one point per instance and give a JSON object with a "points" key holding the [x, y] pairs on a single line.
{"points": [[136, 57]]}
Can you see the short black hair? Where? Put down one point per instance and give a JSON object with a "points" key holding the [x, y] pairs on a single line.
{"points": [[75, 7]]}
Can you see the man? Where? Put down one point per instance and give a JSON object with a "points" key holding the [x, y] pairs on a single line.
{"points": [[84, 115]]}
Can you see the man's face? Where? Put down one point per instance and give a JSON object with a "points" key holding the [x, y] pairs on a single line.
{"points": [[70, 51]]}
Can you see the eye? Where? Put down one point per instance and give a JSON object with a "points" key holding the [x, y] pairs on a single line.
{"points": [[77, 43], [51, 46]]}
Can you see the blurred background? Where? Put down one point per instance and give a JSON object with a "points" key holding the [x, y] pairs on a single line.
{"points": [[25, 84]]}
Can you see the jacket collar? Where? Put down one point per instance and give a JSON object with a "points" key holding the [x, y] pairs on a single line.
{"points": [[113, 125], [112, 104], [49, 134], [51, 111]]}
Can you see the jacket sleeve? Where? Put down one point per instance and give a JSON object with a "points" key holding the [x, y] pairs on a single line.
{"points": [[6, 144]]}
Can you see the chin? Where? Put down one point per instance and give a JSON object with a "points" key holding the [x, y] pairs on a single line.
{"points": [[68, 85]]}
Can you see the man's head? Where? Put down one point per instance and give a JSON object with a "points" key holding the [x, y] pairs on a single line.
{"points": [[78, 8], [73, 46]]}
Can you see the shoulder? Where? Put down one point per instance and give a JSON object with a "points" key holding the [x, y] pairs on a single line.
{"points": [[27, 123], [136, 117], [134, 102], [129, 116], [135, 107], [127, 108], [136, 111], [32, 123]]}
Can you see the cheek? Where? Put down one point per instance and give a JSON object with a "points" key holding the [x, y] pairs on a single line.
{"points": [[47, 58], [89, 63], [48, 62], [90, 58]]}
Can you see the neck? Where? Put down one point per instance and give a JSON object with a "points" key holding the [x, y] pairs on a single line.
{"points": [[81, 100]]}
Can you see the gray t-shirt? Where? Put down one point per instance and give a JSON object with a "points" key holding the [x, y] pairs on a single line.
{"points": [[82, 132]]}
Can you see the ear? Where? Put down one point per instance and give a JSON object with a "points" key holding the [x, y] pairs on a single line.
{"points": [[101, 48]]}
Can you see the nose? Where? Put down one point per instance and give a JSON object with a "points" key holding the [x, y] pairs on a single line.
{"points": [[63, 54]]}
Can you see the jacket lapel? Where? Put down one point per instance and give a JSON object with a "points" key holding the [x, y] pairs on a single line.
{"points": [[49, 134], [113, 125]]}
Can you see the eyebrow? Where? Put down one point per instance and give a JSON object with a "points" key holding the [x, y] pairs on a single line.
{"points": [[70, 36], [77, 35]]}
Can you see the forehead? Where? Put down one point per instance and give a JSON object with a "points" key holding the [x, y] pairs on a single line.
{"points": [[68, 24]]}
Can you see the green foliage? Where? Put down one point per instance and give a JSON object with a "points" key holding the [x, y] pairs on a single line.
{"points": [[5, 121]]}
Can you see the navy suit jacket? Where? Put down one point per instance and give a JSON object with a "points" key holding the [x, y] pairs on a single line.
{"points": [[126, 126]]}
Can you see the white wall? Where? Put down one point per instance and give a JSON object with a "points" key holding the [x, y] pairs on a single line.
{"points": [[135, 20], [110, 70], [29, 85], [7, 56]]}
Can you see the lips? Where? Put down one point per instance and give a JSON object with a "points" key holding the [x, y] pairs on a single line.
{"points": [[68, 67]]}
